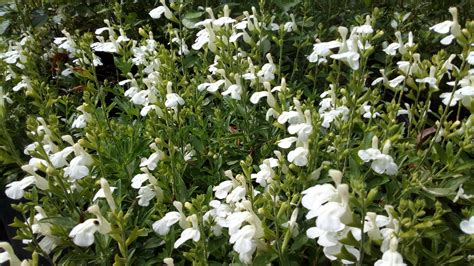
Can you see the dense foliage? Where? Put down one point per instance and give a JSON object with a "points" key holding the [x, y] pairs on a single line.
{"points": [[287, 132]]}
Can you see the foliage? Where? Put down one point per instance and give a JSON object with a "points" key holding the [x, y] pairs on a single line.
{"points": [[239, 134]]}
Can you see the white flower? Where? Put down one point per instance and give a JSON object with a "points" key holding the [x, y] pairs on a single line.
{"points": [[15, 190], [470, 58], [173, 100], [189, 233], [365, 109], [443, 27], [322, 50], [24, 83], [9, 255], [237, 194], [157, 12], [244, 244], [331, 115], [141, 97], [138, 179], [314, 197], [291, 25], [224, 20], [152, 162], [234, 90], [266, 173], [303, 130], [145, 195], [183, 47], [448, 26], [286, 142], [431, 79], [465, 94], [267, 73], [396, 81], [256, 96], [107, 47], [234, 220], [83, 233], [291, 117], [78, 167], [100, 193], [371, 225], [223, 189], [58, 159], [211, 87], [467, 226], [219, 213], [391, 257], [364, 29], [332, 251], [331, 215], [460, 195], [203, 37], [298, 156], [162, 226], [350, 58], [147, 108], [40, 182], [381, 163]]}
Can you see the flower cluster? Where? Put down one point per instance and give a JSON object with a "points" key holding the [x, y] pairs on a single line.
{"points": [[214, 139]]}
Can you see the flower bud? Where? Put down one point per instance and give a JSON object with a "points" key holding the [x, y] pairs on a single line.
{"points": [[51, 171], [282, 210], [108, 193], [168, 261], [336, 176], [375, 142], [386, 147], [188, 205]]}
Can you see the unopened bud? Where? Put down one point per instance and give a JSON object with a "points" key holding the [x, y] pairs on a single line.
{"points": [[336, 176], [375, 142]]}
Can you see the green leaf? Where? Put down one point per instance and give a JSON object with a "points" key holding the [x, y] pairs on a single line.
{"points": [[286, 5], [124, 65], [300, 241], [189, 23], [440, 192], [38, 17], [377, 181], [455, 259], [265, 46], [4, 26], [193, 14], [135, 234], [264, 258], [62, 221], [152, 242], [346, 255]]}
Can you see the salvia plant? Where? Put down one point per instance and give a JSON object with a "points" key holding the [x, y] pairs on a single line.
{"points": [[241, 138]]}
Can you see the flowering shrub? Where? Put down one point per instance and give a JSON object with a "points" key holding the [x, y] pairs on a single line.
{"points": [[207, 143]]}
